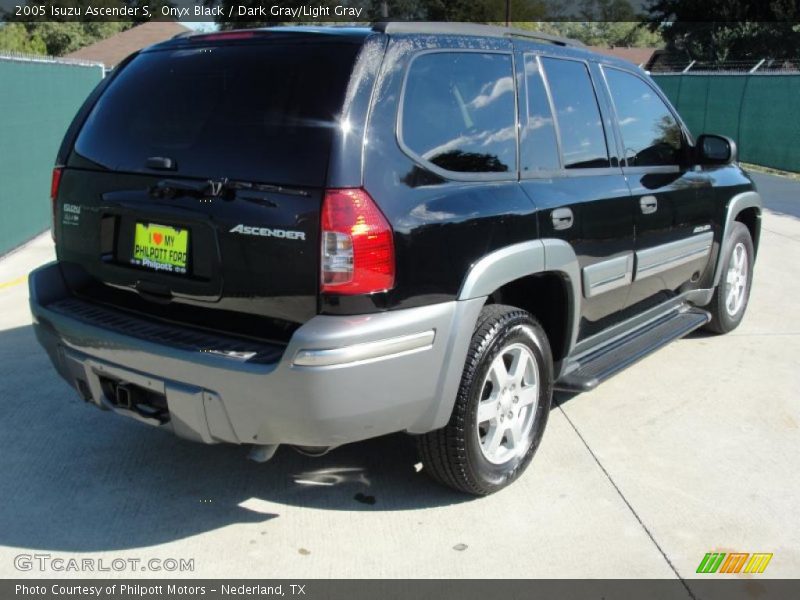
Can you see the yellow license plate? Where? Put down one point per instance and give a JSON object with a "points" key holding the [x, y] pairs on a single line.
{"points": [[160, 247]]}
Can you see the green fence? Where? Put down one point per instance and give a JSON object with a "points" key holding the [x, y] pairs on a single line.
{"points": [[38, 98], [760, 112]]}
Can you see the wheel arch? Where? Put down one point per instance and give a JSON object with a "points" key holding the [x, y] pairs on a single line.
{"points": [[540, 276], [751, 218], [546, 296], [743, 208]]}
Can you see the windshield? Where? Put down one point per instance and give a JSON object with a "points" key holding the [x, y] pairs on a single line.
{"points": [[256, 112]]}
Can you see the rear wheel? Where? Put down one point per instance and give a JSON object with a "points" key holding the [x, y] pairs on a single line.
{"points": [[501, 409], [730, 299]]}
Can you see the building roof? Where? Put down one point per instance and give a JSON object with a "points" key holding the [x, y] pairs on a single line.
{"points": [[112, 50], [638, 56]]}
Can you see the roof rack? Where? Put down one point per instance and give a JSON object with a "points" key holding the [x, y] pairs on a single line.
{"points": [[446, 28]]}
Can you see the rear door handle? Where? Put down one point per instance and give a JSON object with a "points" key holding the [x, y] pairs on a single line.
{"points": [[562, 218], [648, 204]]}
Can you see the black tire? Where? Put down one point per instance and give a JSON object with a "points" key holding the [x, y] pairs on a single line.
{"points": [[453, 455], [722, 319]]}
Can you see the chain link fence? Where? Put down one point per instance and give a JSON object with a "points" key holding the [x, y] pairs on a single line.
{"points": [[763, 66], [758, 105], [39, 95]]}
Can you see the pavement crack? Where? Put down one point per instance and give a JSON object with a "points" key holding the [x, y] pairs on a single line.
{"points": [[628, 504]]}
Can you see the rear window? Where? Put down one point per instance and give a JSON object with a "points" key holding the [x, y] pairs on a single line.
{"points": [[253, 112]]}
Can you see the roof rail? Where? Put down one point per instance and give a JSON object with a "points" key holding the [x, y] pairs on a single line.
{"points": [[446, 28]]}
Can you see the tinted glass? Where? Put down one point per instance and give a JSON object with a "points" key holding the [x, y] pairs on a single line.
{"points": [[583, 141], [254, 112], [538, 145], [650, 133], [458, 111]]}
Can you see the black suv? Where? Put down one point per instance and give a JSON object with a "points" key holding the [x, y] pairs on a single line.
{"points": [[312, 236]]}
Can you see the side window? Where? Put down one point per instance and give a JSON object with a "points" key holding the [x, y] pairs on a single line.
{"points": [[583, 141], [459, 112], [650, 133], [538, 141]]}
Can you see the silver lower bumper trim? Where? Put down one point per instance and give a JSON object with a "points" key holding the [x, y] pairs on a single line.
{"points": [[367, 351]]}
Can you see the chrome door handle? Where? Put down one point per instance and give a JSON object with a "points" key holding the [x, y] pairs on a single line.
{"points": [[562, 218], [648, 204]]}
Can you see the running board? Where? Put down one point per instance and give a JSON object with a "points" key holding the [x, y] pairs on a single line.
{"points": [[587, 371]]}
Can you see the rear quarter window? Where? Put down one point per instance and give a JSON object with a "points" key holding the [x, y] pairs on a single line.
{"points": [[458, 112], [538, 142]]}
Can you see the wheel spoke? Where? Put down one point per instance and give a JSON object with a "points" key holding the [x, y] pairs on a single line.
{"points": [[740, 256], [518, 367], [487, 410], [493, 438], [730, 301], [515, 434], [528, 395], [498, 373], [735, 299]]}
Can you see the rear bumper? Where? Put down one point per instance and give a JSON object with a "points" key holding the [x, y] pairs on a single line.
{"points": [[340, 379]]}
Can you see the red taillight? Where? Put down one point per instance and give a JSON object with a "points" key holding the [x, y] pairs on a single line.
{"points": [[357, 244], [55, 182]]}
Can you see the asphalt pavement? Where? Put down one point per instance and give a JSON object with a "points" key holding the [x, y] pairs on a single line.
{"points": [[693, 450]]}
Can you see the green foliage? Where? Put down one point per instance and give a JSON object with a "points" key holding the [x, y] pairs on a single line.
{"points": [[600, 33], [15, 38], [60, 36], [609, 22], [744, 29], [487, 11]]}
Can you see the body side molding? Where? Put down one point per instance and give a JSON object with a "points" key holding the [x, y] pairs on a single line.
{"points": [[657, 259], [736, 205], [608, 275]]}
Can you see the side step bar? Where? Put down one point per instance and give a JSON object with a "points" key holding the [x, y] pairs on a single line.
{"points": [[587, 371]]}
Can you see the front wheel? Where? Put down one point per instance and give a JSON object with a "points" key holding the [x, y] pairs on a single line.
{"points": [[730, 299], [501, 409]]}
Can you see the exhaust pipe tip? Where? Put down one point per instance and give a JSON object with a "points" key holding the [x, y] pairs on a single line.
{"points": [[262, 453]]}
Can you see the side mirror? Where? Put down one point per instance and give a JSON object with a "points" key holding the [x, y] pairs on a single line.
{"points": [[715, 150]]}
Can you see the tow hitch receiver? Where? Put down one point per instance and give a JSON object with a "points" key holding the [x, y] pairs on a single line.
{"points": [[144, 402]]}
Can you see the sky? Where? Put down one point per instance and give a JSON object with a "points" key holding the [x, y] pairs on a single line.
{"points": [[200, 25]]}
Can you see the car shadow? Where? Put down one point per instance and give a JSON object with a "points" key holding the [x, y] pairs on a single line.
{"points": [[80, 479], [561, 398]]}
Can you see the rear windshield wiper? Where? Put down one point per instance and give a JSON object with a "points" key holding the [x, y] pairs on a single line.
{"points": [[169, 188], [262, 187]]}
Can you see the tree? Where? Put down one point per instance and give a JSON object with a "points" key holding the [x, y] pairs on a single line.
{"points": [[742, 30], [60, 36], [599, 33], [403, 10], [15, 38], [607, 22]]}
